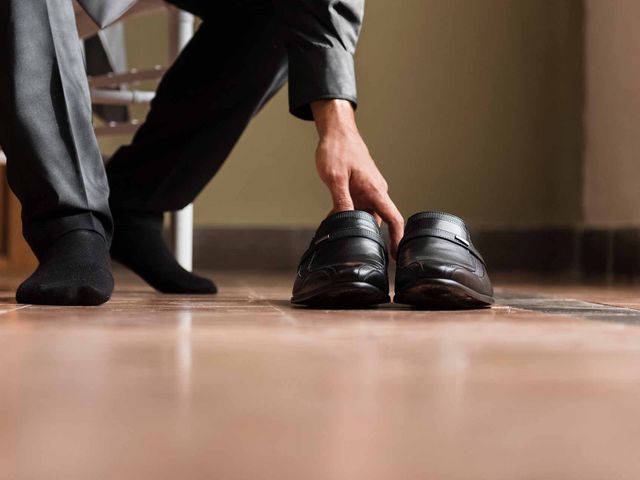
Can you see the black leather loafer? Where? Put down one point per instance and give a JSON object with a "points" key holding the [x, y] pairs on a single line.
{"points": [[345, 265], [438, 267]]}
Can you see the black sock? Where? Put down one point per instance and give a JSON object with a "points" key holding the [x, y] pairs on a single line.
{"points": [[74, 270], [138, 244]]}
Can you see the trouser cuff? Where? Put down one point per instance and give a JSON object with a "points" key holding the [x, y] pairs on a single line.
{"points": [[41, 234]]}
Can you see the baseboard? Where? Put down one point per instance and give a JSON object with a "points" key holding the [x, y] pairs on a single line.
{"points": [[249, 248], [597, 253], [611, 253]]}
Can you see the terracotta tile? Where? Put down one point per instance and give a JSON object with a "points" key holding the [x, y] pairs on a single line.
{"points": [[241, 385]]}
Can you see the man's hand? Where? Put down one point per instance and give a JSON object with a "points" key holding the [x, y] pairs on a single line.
{"points": [[346, 167]]}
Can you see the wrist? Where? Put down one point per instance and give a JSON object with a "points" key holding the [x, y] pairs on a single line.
{"points": [[334, 118]]}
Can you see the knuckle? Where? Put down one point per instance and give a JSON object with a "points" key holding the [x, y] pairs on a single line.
{"points": [[376, 188], [335, 177], [382, 195], [341, 197]]}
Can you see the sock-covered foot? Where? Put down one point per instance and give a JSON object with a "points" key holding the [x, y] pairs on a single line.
{"points": [[74, 270], [138, 244]]}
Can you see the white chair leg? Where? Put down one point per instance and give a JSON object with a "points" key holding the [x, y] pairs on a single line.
{"points": [[186, 27], [182, 220]]}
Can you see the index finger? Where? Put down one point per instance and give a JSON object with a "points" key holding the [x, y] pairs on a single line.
{"points": [[390, 214]]}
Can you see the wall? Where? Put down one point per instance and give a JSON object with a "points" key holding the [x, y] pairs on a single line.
{"points": [[612, 164], [468, 106]]}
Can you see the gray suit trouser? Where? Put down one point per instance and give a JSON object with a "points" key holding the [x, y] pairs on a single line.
{"points": [[231, 68]]}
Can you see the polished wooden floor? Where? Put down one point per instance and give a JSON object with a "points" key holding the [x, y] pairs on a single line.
{"points": [[546, 385]]}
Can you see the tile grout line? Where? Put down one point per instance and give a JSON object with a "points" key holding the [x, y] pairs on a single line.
{"points": [[14, 309], [288, 318]]}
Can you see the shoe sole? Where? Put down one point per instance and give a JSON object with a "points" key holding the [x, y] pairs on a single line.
{"points": [[442, 294], [345, 295]]}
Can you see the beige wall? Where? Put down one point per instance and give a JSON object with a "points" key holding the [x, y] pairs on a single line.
{"points": [[468, 106], [612, 156]]}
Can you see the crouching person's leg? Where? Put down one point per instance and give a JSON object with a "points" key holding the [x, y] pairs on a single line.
{"points": [[230, 69], [53, 161]]}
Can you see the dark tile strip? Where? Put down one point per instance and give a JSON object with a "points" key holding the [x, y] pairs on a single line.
{"points": [[574, 308]]}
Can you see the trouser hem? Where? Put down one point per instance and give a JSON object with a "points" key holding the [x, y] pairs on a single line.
{"points": [[41, 234]]}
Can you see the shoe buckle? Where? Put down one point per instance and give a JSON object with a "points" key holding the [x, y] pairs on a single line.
{"points": [[463, 241], [320, 240]]}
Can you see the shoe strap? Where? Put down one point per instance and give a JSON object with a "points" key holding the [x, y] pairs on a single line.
{"points": [[444, 235], [449, 217], [438, 221], [352, 232], [345, 220], [358, 214]]}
